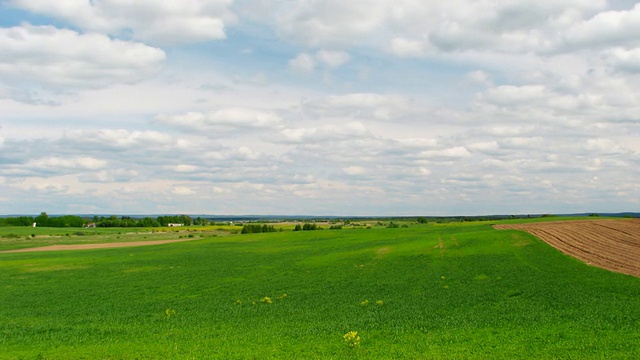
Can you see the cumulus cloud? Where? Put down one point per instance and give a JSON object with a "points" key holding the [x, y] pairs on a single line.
{"points": [[479, 77], [429, 107], [109, 176], [623, 59], [182, 190], [326, 133], [118, 139], [408, 48], [55, 59], [354, 170], [372, 105], [332, 59], [606, 29], [414, 29], [165, 22], [306, 63], [332, 23], [303, 63], [55, 163], [224, 119], [509, 95]]}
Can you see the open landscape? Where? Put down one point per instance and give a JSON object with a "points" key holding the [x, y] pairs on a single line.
{"points": [[319, 179], [449, 290]]}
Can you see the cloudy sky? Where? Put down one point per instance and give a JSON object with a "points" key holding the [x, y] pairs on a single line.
{"points": [[319, 107]]}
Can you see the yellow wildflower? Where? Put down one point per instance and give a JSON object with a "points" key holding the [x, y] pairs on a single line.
{"points": [[352, 339]]}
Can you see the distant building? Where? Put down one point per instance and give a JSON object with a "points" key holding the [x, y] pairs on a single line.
{"points": [[174, 224], [91, 225]]}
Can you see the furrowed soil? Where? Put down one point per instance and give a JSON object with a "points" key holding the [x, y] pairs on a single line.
{"points": [[610, 244]]}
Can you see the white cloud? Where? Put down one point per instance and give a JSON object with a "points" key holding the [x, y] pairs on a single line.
{"points": [[431, 107], [163, 22], [354, 170], [606, 29], [62, 60], [109, 176], [327, 133], [332, 59], [408, 48], [182, 190], [368, 105], [445, 154], [329, 23], [303, 63], [603, 146], [119, 138], [623, 59], [508, 95], [479, 77], [185, 168], [55, 163], [50, 188], [413, 29], [224, 119], [487, 147]]}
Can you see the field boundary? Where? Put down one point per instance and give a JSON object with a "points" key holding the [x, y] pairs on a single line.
{"points": [[610, 244], [95, 246]]}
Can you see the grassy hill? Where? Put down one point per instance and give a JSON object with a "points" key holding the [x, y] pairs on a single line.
{"points": [[426, 291]]}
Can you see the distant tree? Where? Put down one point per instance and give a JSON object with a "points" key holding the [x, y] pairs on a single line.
{"points": [[310, 226], [148, 222], [17, 221], [42, 219], [255, 228]]}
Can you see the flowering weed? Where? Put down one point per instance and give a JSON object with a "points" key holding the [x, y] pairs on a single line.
{"points": [[352, 339]]}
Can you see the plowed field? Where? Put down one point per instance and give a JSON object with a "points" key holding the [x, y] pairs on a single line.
{"points": [[609, 244]]}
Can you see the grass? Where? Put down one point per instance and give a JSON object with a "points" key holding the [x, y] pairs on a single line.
{"points": [[25, 237], [431, 291]]}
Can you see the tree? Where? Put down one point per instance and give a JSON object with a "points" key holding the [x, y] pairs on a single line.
{"points": [[42, 219]]}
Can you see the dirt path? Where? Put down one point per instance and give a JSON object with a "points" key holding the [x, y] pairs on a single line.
{"points": [[95, 246], [610, 244]]}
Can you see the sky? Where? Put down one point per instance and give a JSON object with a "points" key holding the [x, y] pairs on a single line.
{"points": [[319, 107]]}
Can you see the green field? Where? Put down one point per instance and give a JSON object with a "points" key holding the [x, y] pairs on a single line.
{"points": [[446, 291]]}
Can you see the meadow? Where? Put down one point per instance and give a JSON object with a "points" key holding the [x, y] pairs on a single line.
{"points": [[433, 291]]}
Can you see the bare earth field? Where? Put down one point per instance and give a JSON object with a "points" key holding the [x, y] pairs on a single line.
{"points": [[94, 246], [610, 244]]}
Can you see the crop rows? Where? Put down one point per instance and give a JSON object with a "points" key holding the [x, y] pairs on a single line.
{"points": [[610, 244]]}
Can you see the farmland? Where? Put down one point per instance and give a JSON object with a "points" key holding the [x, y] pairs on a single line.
{"points": [[425, 291], [610, 244]]}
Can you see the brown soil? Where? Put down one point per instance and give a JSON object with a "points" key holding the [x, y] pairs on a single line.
{"points": [[94, 246], [610, 244]]}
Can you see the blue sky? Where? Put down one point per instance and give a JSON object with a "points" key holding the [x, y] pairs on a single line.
{"points": [[319, 107]]}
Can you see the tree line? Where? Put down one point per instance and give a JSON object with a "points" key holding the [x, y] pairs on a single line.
{"points": [[44, 220]]}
